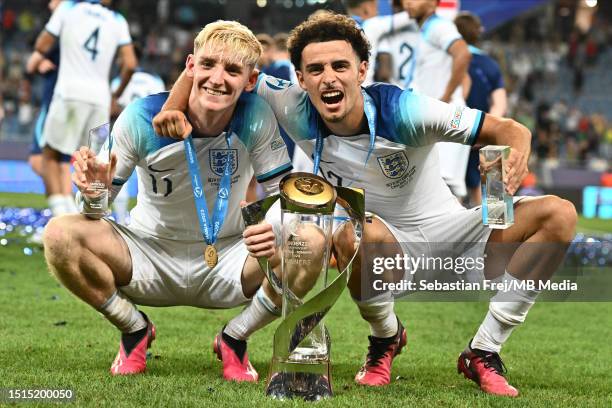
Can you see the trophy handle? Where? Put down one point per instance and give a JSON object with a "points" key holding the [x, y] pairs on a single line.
{"points": [[299, 323]]}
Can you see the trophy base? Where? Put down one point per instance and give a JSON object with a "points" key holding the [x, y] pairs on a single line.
{"points": [[309, 382]]}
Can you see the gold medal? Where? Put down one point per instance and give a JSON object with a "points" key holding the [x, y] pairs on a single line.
{"points": [[210, 256]]}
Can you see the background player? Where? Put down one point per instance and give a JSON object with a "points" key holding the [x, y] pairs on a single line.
{"points": [[89, 35], [486, 93], [438, 68], [396, 50], [365, 13], [47, 66]]}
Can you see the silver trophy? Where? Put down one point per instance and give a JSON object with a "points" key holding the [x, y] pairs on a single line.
{"points": [[497, 205], [96, 194], [300, 365]]}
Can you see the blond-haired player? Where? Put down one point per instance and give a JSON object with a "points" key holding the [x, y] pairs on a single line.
{"points": [[159, 259]]}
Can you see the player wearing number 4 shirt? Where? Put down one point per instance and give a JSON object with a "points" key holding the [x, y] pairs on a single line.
{"points": [[380, 138], [89, 35], [159, 259]]}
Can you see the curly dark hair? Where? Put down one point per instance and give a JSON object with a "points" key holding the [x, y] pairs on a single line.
{"points": [[327, 26]]}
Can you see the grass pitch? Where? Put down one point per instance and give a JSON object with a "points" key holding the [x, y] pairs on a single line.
{"points": [[50, 339]]}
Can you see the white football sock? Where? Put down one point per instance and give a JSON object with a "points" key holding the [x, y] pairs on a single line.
{"points": [[57, 204], [380, 316], [259, 313], [70, 205], [121, 312], [507, 309]]}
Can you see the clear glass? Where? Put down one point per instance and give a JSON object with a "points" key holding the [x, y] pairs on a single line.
{"points": [[96, 194], [497, 205], [305, 256]]}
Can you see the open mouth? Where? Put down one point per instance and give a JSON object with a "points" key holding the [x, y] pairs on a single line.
{"points": [[332, 97], [215, 92]]}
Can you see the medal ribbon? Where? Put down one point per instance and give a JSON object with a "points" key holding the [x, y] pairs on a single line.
{"points": [[210, 230]]}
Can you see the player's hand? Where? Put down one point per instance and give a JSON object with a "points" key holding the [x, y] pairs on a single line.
{"points": [[516, 171], [46, 66], [87, 169], [172, 123], [260, 240], [446, 98]]}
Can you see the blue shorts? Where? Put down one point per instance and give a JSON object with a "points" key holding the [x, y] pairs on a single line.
{"points": [[38, 128], [472, 174]]}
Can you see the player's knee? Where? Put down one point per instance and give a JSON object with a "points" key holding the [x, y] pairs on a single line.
{"points": [[344, 243], [560, 219], [376, 232], [61, 240]]}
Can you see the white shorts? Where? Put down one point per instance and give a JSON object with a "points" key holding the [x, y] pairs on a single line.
{"points": [[68, 123], [171, 273]]}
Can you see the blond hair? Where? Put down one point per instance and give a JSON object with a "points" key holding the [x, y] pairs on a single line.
{"points": [[236, 39]]}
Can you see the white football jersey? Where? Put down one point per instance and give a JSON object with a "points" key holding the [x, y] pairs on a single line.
{"points": [[141, 84], [401, 177], [165, 203], [89, 35], [401, 45], [375, 28], [433, 64]]}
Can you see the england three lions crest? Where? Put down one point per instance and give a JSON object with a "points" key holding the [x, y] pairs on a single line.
{"points": [[218, 160], [394, 165]]}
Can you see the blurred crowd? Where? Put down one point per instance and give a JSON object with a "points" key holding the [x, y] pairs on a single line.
{"points": [[557, 86], [561, 90]]}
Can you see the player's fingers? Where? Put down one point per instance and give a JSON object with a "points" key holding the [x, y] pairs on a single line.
{"points": [[188, 129], [267, 237], [267, 252], [509, 175], [253, 238], [78, 173], [161, 121], [83, 154], [80, 183], [263, 246], [80, 158], [179, 128], [263, 254], [171, 126], [157, 122], [257, 229]]}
